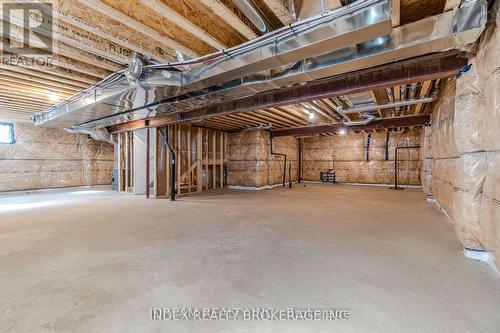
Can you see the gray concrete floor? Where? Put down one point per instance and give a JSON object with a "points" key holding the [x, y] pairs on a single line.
{"points": [[97, 261]]}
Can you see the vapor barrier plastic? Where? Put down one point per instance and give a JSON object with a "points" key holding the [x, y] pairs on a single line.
{"points": [[50, 158]]}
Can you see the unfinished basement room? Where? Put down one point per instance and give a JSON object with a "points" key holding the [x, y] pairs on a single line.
{"points": [[250, 166]]}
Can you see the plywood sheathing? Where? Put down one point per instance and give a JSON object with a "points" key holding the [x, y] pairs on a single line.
{"points": [[198, 14], [121, 38], [145, 15]]}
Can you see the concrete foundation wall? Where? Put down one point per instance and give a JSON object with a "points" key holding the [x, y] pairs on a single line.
{"points": [[49, 158]]}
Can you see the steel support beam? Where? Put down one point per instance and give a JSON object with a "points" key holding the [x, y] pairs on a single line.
{"points": [[430, 67]]}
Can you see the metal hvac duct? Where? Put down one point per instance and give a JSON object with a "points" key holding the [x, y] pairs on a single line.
{"points": [[361, 35]]}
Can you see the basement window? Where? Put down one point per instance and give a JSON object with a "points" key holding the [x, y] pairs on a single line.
{"points": [[6, 133]]}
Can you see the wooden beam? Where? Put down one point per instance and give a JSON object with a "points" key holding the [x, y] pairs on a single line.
{"points": [[395, 122], [49, 68], [281, 11], [34, 80], [424, 91], [35, 85], [230, 18], [116, 15], [396, 13], [45, 74], [182, 22]]}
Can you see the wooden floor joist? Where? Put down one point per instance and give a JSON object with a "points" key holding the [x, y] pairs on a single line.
{"points": [[110, 11]]}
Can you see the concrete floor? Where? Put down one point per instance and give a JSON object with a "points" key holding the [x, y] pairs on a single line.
{"points": [[97, 261]]}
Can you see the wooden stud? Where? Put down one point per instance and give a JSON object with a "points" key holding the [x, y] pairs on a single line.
{"points": [[424, 91]]}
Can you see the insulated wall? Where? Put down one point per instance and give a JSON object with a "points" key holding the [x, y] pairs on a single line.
{"points": [[363, 157], [251, 164], [465, 147], [44, 158]]}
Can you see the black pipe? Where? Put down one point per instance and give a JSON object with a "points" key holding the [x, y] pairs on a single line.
{"points": [[396, 165], [299, 180], [172, 166], [290, 174], [278, 154], [147, 165]]}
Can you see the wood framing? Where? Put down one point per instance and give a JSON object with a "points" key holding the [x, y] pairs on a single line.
{"points": [[395, 122]]}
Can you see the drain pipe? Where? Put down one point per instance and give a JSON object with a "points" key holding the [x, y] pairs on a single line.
{"points": [[172, 164], [299, 177], [278, 154]]}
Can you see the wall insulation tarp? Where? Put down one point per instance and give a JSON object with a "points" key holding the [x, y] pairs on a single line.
{"points": [[250, 162], [364, 157], [49, 158], [465, 145], [490, 205]]}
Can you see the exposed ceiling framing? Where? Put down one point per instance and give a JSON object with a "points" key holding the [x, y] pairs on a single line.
{"points": [[93, 38], [325, 99]]}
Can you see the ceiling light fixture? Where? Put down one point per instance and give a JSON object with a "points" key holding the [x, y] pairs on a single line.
{"points": [[53, 97], [311, 115], [342, 131]]}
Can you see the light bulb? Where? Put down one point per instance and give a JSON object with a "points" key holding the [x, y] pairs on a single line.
{"points": [[342, 131], [53, 97], [311, 115]]}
